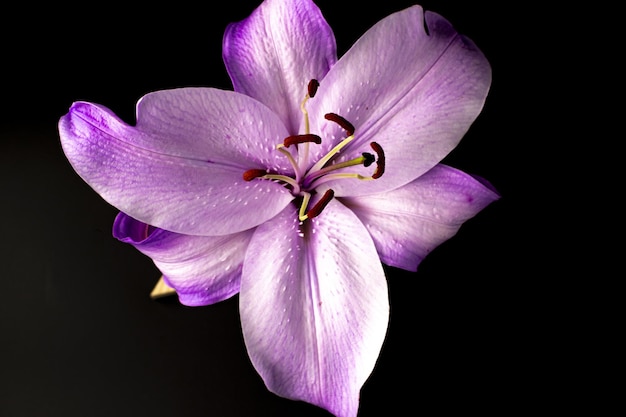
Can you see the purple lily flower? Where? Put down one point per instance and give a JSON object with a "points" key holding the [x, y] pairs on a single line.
{"points": [[291, 189]]}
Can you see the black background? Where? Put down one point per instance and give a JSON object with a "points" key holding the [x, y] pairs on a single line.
{"points": [[79, 335]]}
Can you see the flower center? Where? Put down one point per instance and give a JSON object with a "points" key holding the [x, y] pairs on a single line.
{"points": [[306, 180]]}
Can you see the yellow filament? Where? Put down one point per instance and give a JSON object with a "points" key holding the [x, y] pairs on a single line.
{"points": [[281, 148], [338, 176], [307, 129], [306, 114], [347, 175], [284, 178], [350, 163], [305, 202], [319, 164]]}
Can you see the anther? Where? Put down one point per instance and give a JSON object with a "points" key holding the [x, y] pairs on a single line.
{"points": [[346, 125], [321, 204], [312, 87], [306, 138], [251, 174], [380, 162]]}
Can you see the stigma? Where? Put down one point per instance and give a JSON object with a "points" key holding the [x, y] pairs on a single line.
{"points": [[309, 176]]}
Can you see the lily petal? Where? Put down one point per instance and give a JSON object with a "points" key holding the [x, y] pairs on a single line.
{"points": [[413, 91], [409, 222], [274, 53], [213, 125], [146, 173], [202, 269], [314, 318]]}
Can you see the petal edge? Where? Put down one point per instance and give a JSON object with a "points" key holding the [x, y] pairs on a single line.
{"points": [[409, 222]]}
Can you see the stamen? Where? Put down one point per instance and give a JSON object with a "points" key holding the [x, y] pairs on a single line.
{"points": [[321, 204], [251, 174], [305, 202], [281, 148], [286, 179], [312, 87], [380, 162], [323, 170], [346, 125], [311, 90], [295, 139]]}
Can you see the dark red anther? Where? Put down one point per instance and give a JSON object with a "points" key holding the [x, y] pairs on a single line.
{"points": [[251, 174], [295, 139], [380, 162], [312, 87], [321, 204], [346, 125]]}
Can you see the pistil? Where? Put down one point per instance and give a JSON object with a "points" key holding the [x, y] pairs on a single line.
{"points": [[366, 159], [306, 181]]}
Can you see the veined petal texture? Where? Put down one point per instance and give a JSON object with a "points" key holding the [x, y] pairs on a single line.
{"points": [[409, 222], [181, 168], [202, 269], [314, 318], [413, 85], [274, 53]]}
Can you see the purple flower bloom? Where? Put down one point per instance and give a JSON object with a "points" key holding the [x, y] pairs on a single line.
{"points": [[293, 188]]}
